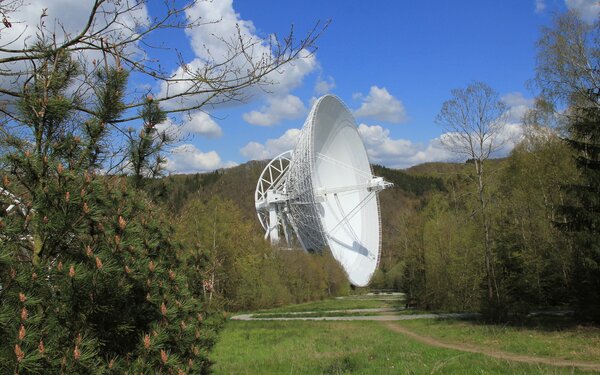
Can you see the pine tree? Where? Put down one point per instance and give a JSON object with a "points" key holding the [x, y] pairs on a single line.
{"points": [[90, 281], [145, 148], [583, 218]]}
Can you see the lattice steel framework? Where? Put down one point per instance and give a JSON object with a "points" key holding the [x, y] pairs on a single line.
{"points": [[325, 192], [302, 200]]}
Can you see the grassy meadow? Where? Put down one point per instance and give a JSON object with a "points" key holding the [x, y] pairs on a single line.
{"points": [[369, 347], [346, 303], [549, 338], [301, 347]]}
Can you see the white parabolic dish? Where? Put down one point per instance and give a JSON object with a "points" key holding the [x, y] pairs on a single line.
{"points": [[326, 192]]}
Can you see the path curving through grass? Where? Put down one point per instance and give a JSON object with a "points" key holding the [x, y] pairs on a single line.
{"points": [[388, 316], [492, 353]]}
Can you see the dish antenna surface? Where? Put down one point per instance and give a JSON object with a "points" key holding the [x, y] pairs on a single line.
{"points": [[324, 191]]}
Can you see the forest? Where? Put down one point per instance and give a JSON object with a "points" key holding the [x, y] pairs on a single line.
{"points": [[108, 265]]}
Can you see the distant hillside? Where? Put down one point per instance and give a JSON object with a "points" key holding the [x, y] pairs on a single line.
{"points": [[410, 183], [440, 169], [238, 184], [435, 169]]}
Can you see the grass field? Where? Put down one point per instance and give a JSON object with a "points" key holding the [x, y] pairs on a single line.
{"points": [[366, 347], [549, 339], [301, 347], [338, 304]]}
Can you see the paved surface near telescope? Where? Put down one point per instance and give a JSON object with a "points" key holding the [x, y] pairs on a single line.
{"points": [[248, 317]]}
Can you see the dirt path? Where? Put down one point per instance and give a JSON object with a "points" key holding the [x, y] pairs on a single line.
{"points": [[492, 353]]}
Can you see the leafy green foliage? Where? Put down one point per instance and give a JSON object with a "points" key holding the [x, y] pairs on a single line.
{"points": [[230, 265], [434, 251]]}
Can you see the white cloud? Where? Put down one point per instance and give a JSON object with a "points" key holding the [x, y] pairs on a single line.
{"points": [[211, 43], [64, 19], [323, 87], [195, 123], [505, 138], [272, 147], [399, 153], [384, 149], [277, 109], [511, 135], [540, 6], [201, 123], [403, 153], [381, 148], [187, 158], [517, 105], [70, 15], [380, 105], [588, 10], [516, 98]]}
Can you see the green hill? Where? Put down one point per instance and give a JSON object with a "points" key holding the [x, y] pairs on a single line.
{"points": [[410, 191], [238, 184]]}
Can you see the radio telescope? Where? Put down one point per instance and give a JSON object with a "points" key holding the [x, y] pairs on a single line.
{"points": [[325, 193]]}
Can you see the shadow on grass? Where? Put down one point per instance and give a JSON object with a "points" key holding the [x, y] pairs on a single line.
{"points": [[342, 365], [549, 322]]}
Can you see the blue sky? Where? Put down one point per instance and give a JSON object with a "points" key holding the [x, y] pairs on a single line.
{"points": [[388, 54], [392, 62]]}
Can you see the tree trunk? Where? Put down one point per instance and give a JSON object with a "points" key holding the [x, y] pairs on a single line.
{"points": [[492, 283]]}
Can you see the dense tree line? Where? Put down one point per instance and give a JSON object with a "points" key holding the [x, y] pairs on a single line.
{"points": [[519, 234], [236, 269], [409, 183], [437, 253]]}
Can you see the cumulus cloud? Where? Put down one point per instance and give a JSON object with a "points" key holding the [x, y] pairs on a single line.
{"points": [[211, 43], [510, 136], [276, 110], [399, 153], [202, 123], [512, 133], [384, 149], [70, 16], [272, 147], [588, 10], [504, 138], [517, 105], [381, 148], [403, 153], [324, 86], [195, 123], [187, 158], [380, 105]]}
